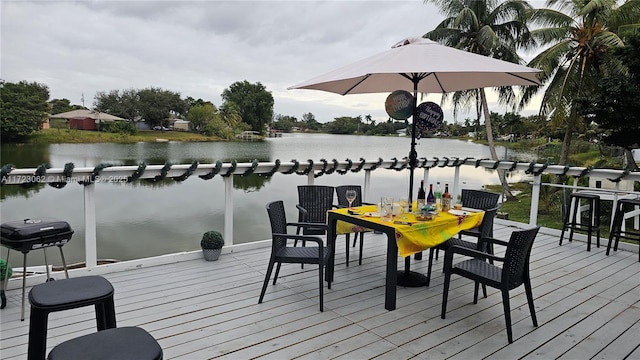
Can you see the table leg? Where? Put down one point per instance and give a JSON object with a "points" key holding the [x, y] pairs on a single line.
{"points": [[331, 242], [392, 268]]}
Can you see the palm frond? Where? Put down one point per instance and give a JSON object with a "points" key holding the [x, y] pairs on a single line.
{"points": [[550, 59], [466, 19], [608, 39], [550, 35], [571, 7], [550, 18], [626, 14], [599, 10]]}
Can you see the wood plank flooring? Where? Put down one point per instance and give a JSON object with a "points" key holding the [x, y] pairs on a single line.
{"points": [[587, 304]]}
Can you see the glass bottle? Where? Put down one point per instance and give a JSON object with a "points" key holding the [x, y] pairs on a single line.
{"points": [[431, 199], [446, 198], [438, 194], [421, 195]]}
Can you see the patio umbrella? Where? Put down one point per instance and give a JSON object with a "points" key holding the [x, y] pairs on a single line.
{"points": [[421, 65]]}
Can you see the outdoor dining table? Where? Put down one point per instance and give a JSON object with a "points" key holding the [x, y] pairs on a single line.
{"points": [[406, 235]]}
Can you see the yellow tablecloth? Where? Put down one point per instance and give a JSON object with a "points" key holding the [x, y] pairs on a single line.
{"points": [[419, 235]]}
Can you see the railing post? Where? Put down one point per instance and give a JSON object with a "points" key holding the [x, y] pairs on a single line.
{"points": [[228, 209], [456, 185], [90, 239], [367, 185], [535, 199], [615, 206], [425, 177], [311, 176]]}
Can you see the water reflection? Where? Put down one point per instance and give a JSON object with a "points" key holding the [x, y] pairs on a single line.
{"points": [[84, 155]]}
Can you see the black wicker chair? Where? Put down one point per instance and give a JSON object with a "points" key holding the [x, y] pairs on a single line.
{"points": [[482, 200], [281, 253], [313, 203], [484, 230], [513, 273], [343, 203], [479, 199]]}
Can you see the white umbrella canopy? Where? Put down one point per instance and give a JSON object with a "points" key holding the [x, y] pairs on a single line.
{"points": [[421, 65]]}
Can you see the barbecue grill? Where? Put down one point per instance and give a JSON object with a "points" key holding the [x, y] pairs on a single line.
{"points": [[33, 234]]}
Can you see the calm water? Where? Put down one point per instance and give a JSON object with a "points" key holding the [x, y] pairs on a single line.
{"points": [[139, 219]]}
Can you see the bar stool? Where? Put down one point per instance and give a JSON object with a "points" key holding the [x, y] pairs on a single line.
{"points": [[616, 228], [67, 294], [572, 220], [125, 343]]}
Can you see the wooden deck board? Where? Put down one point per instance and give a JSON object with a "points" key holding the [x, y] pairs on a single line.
{"points": [[586, 303], [626, 345]]}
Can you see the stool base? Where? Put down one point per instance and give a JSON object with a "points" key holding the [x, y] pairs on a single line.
{"points": [[616, 229], [572, 224]]}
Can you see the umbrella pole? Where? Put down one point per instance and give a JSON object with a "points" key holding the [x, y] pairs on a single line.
{"points": [[407, 277], [413, 155]]}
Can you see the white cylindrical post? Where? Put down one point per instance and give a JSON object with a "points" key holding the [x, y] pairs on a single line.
{"points": [[228, 209], [367, 185], [90, 239], [535, 199], [425, 177], [456, 184], [615, 205]]}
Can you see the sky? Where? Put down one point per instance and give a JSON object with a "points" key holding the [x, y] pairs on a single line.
{"points": [[200, 48]]}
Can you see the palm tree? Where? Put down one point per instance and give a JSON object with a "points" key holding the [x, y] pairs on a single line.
{"points": [[578, 34], [490, 28], [230, 114]]}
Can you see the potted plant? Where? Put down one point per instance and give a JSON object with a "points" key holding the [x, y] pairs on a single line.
{"points": [[211, 243], [4, 268]]}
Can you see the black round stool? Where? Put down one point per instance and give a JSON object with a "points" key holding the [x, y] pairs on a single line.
{"points": [[572, 222], [67, 294], [616, 229], [125, 343]]}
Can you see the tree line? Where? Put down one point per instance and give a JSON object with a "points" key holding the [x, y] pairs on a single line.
{"points": [[246, 106]]}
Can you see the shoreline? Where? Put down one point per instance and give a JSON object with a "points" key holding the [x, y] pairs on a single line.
{"points": [[73, 136]]}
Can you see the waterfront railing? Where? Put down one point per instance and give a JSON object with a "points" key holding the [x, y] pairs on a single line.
{"points": [[91, 177]]}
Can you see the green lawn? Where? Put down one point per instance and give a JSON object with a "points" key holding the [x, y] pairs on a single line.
{"points": [[54, 136]]}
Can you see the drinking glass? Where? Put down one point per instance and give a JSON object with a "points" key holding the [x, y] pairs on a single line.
{"points": [[404, 207], [386, 208], [351, 195]]}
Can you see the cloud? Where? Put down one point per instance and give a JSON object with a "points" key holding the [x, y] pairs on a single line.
{"points": [[200, 48]]}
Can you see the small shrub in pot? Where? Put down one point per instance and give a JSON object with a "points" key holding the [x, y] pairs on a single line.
{"points": [[211, 244]]}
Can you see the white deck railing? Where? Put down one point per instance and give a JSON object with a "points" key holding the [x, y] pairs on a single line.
{"points": [[92, 177]]}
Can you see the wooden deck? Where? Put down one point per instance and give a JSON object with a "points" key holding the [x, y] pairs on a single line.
{"points": [[588, 307]]}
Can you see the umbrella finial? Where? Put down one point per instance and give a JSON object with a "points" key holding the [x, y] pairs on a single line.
{"points": [[411, 40]]}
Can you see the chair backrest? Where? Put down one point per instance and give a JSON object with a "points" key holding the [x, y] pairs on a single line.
{"points": [[479, 199], [486, 226], [516, 263], [278, 220], [341, 193], [317, 200]]}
